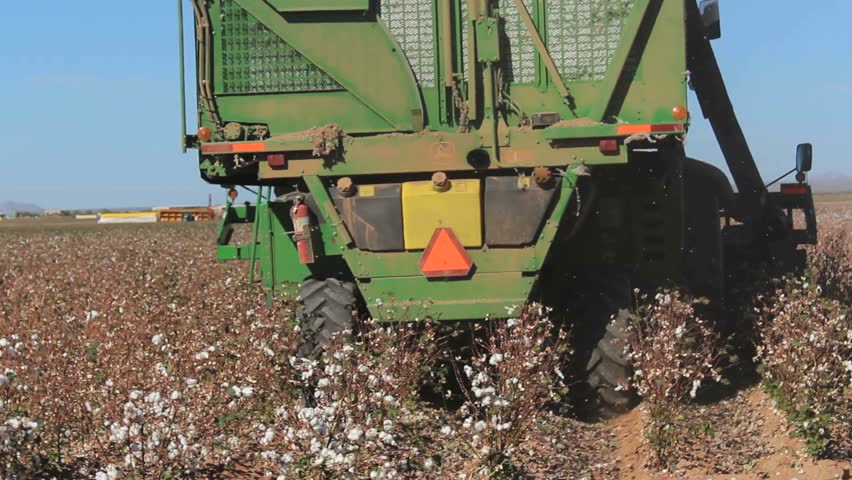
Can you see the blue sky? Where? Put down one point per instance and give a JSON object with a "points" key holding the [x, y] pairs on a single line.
{"points": [[90, 110]]}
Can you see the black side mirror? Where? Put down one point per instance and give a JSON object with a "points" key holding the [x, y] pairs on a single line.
{"points": [[710, 16], [804, 157]]}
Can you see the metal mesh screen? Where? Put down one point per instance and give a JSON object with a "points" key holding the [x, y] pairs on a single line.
{"points": [[520, 67], [255, 60], [582, 35], [412, 22]]}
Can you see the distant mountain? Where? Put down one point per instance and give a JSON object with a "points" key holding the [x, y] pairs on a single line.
{"points": [[831, 182], [10, 207]]}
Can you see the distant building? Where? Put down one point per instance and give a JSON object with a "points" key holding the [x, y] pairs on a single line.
{"points": [[56, 213], [128, 217], [185, 214]]}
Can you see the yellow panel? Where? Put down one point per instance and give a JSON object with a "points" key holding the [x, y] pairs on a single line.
{"points": [[424, 209]]}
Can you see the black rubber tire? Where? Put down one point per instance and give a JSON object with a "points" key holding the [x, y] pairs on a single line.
{"points": [[328, 308], [704, 255], [607, 371]]}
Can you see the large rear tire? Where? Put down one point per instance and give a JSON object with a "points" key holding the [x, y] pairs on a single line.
{"points": [[603, 318], [328, 308]]}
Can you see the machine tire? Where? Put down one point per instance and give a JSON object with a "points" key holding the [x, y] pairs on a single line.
{"points": [[605, 316], [327, 311], [703, 239], [704, 256]]}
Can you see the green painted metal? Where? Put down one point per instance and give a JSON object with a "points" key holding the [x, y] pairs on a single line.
{"points": [[494, 295], [418, 87], [319, 5], [354, 65]]}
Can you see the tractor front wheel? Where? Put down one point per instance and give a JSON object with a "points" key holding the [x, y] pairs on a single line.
{"points": [[328, 310]]}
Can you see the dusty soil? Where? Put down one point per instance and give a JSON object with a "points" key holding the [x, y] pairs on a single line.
{"points": [[748, 440]]}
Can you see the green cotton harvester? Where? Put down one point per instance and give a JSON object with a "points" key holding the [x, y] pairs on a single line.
{"points": [[453, 159]]}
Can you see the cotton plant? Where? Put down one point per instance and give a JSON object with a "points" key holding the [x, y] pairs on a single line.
{"points": [[674, 352], [672, 349], [805, 347], [511, 379], [355, 411]]}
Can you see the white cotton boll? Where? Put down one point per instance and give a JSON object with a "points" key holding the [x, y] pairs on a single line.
{"points": [[695, 385], [268, 436], [203, 355], [101, 476], [135, 394], [355, 434], [175, 395], [447, 430], [157, 339], [496, 359], [269, 352], [479, 426], [323, 383], [112, 472], [511, 322], [387, 438], [428, 465], [387, 425], [679, 331], [247, 391], [236, 391], [191, 382], [4, 379]]}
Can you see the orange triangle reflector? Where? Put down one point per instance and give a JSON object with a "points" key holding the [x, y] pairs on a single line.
{"points": [[445, 256]]}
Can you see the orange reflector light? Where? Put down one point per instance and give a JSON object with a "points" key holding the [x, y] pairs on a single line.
{"points": [[633, 129], [233, 147], [445, 256], [680, 113], [233, 193], [794, 189], [249, 147], [205, 134]]}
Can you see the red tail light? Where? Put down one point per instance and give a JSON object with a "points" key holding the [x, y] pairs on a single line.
{"points": [[609, 146], [794, 189]]}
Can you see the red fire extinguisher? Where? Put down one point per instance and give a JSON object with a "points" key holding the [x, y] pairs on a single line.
{"points": [[301, 216]]}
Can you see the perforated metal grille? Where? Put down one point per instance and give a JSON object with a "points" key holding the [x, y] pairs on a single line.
{"points": [[582, 35], [464, 22], [520, 67], [412, 22], [255, 60]]}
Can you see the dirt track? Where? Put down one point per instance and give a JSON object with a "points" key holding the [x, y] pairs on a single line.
{"points": [[750, 441]]}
